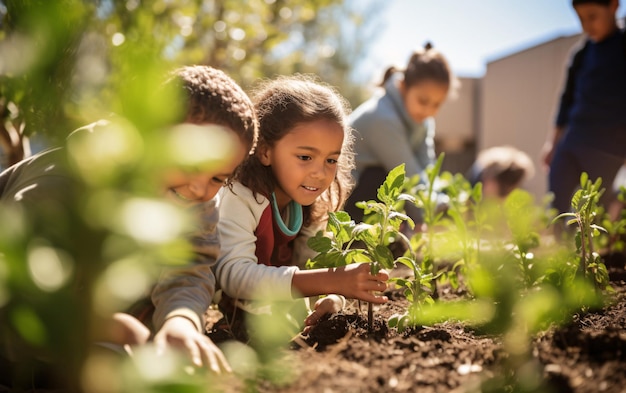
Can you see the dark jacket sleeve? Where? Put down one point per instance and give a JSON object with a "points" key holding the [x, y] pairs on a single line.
{"points": [[567, 96]]}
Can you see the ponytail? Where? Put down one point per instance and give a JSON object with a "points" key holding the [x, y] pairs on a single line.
{"points": [[388, 72]]}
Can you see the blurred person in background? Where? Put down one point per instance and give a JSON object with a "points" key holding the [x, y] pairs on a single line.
{"points": [[396, 125], [501, 169], [590, 130]]}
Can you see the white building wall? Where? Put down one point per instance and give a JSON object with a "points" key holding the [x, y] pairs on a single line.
{"points": [[520, 94], [457, 126]]}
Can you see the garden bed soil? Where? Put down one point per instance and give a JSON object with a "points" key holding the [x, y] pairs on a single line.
{"points": [[586, 355]]}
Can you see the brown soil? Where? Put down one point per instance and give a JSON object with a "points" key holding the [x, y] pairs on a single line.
{"points": [[342, 355]]}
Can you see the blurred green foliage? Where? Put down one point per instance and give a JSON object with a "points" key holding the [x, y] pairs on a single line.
{"points": [[64, 268], [516, 279], [68, 62]]}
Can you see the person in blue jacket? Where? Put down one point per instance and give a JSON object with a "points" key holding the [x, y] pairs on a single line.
{"points": [[590, 131], [397, 126]]}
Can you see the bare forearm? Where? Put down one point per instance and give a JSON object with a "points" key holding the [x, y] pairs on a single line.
{"points": [[353, 281], [316, 282]]}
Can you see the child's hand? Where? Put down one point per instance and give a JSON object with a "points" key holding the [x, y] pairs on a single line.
{"points": [[181, 333], [359, 283], [353, 281], [125, 330], [330, 304]]}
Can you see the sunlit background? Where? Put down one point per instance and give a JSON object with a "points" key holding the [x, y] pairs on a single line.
{"points": [[469, 33], [66, 63]]}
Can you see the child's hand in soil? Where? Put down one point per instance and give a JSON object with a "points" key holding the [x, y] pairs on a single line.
{"points": [[181, 333], [330, 304], [356, 282]]}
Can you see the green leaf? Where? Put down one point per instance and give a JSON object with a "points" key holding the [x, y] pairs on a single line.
{"points": [[563, 215], [356, 255], [391, 187], [340, 224], [436, 169], [401, 282], [599, 228], [383, 256], [399, 321], [370, 236], [477, 192], [342, 216], [572, 221], [320, 243], [408, 262], [584, 178], [331, 259], [406, 197]]}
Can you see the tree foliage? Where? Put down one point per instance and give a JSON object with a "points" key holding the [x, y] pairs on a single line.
{"points": [[67, 62]]}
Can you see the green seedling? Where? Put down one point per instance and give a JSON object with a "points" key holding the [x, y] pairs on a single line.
{"points": [[516, 287], [585, 212], [616, 226], [346, 242], [426, 198], [462, 227]]}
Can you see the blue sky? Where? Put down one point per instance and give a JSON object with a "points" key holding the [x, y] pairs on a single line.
{"points": [[468, 33]]}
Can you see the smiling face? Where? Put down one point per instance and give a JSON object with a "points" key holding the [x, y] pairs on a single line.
{"points": [[304, 161], [424, 99], [597, 20], [188, 188]]}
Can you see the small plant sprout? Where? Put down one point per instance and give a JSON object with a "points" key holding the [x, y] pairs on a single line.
{"points": [[346, 242], [426, 197], [585, 212], [516, 286], [464, 221], [615, 225], [522, 219]]}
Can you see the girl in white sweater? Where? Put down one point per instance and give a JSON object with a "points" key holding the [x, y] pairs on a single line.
{"points": [[281, 196]]}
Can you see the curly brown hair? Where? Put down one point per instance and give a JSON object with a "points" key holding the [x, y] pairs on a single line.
{"points": [[283, 103], [214, 97]]}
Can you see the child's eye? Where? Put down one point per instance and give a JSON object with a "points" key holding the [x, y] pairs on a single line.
{"points": [[218, 180], [331, 161], [304, 158]]}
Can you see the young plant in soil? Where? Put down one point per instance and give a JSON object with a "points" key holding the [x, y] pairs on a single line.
{"points": [[521, 287], [455, 235], [517, 286], [420, 254], [585, 212], [346, 242]]}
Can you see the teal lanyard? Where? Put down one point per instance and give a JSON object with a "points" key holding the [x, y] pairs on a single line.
{"points": [[294, 216]]}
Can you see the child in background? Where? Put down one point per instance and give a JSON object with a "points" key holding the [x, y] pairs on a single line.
{"points": [[590, 132], [281, 196], [501, 169], [214, 102], [397, 126]]}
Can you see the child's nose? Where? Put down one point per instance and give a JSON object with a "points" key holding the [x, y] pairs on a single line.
{"points": [[201, 190], [319, 171], [431, 111]]}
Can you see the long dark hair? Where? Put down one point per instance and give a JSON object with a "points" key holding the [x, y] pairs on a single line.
{"points": [[283, 103]]}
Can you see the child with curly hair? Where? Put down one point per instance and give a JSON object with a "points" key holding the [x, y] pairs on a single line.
{"points": [[214, 106], [281, 196]]}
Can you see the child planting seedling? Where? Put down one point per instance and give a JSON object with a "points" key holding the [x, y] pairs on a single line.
{"points": [[347, 242]]}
